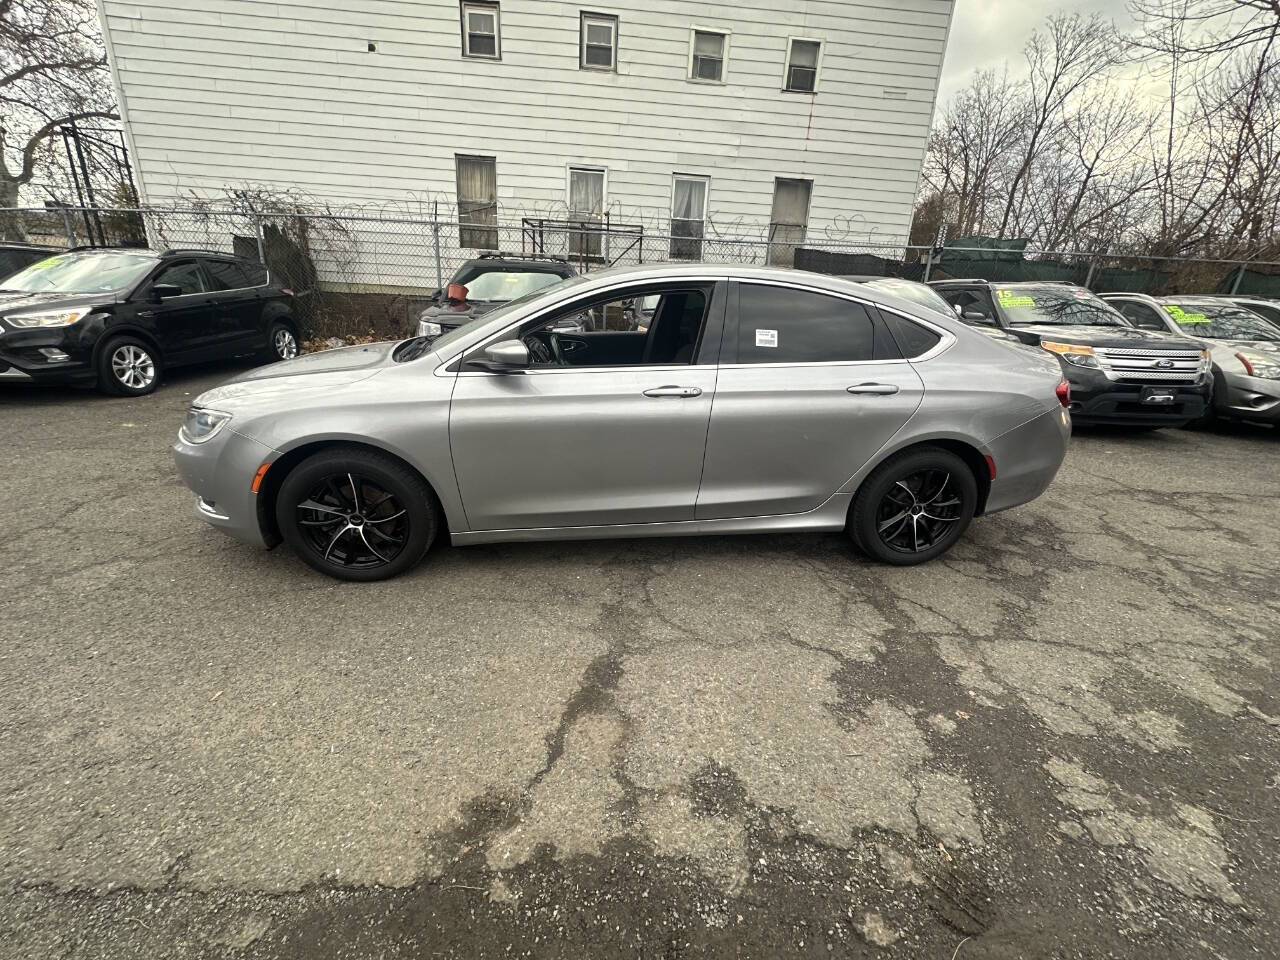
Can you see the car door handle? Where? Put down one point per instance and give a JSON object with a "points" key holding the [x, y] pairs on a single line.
{"points": [[674, 392], [878, 389]]}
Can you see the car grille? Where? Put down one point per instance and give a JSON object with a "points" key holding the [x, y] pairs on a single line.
{"points": [[1149, 366]]}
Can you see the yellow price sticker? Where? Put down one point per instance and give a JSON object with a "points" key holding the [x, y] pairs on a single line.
{"points": [[1181, 317], [1008, 298]]}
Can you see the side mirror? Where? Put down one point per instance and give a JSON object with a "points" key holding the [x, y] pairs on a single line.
{"points": [[507, 356], [163, 291], [973, 316]]}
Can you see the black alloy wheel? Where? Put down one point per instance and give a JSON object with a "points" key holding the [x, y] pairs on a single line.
{"points": [[356, 514], [914, 506]]}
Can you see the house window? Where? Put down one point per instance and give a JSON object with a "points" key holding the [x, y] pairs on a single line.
{"points": [[598, 40], [789, 220], [477, 201], [707, 55], [586, 210], [688, 215], [802, 66], [481, 33]]}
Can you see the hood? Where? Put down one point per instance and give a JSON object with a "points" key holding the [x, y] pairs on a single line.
{"points": [[322, 371], [14, 302], [1101, 336]]}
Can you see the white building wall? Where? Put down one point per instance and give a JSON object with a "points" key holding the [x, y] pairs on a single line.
{"points": [[284, 94]]}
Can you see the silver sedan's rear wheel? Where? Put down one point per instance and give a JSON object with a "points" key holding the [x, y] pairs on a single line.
{"points": [[914, 506], [356, 514]]}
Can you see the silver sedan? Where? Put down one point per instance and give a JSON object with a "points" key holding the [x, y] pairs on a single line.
{"points": [[685, 400]]}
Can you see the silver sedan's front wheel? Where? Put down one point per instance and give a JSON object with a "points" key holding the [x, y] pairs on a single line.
{"points": [[128, 367]]}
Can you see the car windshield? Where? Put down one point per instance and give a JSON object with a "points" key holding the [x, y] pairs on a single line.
{"points": [[1220, 321], [81, 273], [1026, 305], [416, 347], [917, 293], [499, 286]]}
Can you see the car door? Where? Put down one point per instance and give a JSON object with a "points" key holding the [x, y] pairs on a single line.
{"points": [[184, 325], [568, 444], [238, 305], [810, 388]]}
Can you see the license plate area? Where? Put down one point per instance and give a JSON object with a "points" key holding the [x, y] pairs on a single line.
{"points": [[1158, 396]]}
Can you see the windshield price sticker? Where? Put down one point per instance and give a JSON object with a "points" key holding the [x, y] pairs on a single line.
{"points": [[1181, 316], [1008, 298], [766, 338]]}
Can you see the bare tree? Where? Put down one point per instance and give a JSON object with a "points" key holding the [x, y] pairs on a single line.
{"points": [[1071, 54], [53, 71]]}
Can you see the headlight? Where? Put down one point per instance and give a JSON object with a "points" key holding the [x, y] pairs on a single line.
{"points": [[429, 328], [59, 318], [1260, 365], [202, 425], [1073, 353]]}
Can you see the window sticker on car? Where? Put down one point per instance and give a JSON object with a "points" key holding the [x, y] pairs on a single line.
{"points": [[766, 338], [1181, 317], [1007, 298]]}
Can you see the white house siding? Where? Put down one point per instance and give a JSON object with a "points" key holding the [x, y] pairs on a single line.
{"points": [[223, 93]]}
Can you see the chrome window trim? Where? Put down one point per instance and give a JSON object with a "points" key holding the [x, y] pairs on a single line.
{"points": [[946, 341]]}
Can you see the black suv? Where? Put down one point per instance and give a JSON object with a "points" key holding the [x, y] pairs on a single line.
{"points": [[488, 281], [1118, 373], [119, 316]]}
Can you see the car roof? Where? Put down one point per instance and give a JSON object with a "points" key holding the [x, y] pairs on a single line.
{"points": [[535, 264], [34, 247]]}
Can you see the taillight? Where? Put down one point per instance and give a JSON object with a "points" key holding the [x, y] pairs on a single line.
{"points": [[1064, 393], [1248, 367], [991, 465]]}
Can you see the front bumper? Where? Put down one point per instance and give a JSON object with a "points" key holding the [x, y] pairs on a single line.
{"points": [[220, 471], [21, 356], [1095, 398], [1249, 398]]}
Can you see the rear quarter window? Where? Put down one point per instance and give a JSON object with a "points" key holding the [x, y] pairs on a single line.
{"points": [[913, 339], [784, 325]]}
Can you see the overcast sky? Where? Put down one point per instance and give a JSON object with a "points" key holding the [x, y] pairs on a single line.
{"points": [[985, 33]]}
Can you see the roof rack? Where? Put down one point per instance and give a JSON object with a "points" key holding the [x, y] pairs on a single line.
{"points": [[98, 246], [184, 251], [963, 280], [499, 255]]}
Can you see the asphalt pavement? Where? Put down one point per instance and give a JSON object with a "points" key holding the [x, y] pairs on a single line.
{"points": [[1063, 740]]}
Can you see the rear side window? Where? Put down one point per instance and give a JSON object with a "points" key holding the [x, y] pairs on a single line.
{"points": [[225, 275], [914, 339], [785, 325], [256, 273]]}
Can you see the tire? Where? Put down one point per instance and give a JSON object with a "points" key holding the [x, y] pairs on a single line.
{"points": [[907, 481], [128, 367], [393, 508], [282, 342]]}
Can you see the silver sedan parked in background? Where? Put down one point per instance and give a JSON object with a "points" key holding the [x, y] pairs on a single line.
{"points": [[1244, 347], [689, 399]]}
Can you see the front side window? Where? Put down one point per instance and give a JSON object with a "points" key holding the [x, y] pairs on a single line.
{"points": [[688, 215], [187, 277], [784, 325], [707, 60], [481, 34], [644, 326], [1032, 304], [477, 202], [1220, 322], [972, 306], [598, 40], [802, 66]]}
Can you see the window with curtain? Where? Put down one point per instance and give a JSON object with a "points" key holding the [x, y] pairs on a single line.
{"points": [[586, 207], [481, 34], [477, 201], [707, 62], [802, 66], [598, 37], [789, 220], [688, 215]]}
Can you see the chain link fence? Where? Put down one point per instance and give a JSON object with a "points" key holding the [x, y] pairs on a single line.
{"points": [[371, 273]]}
